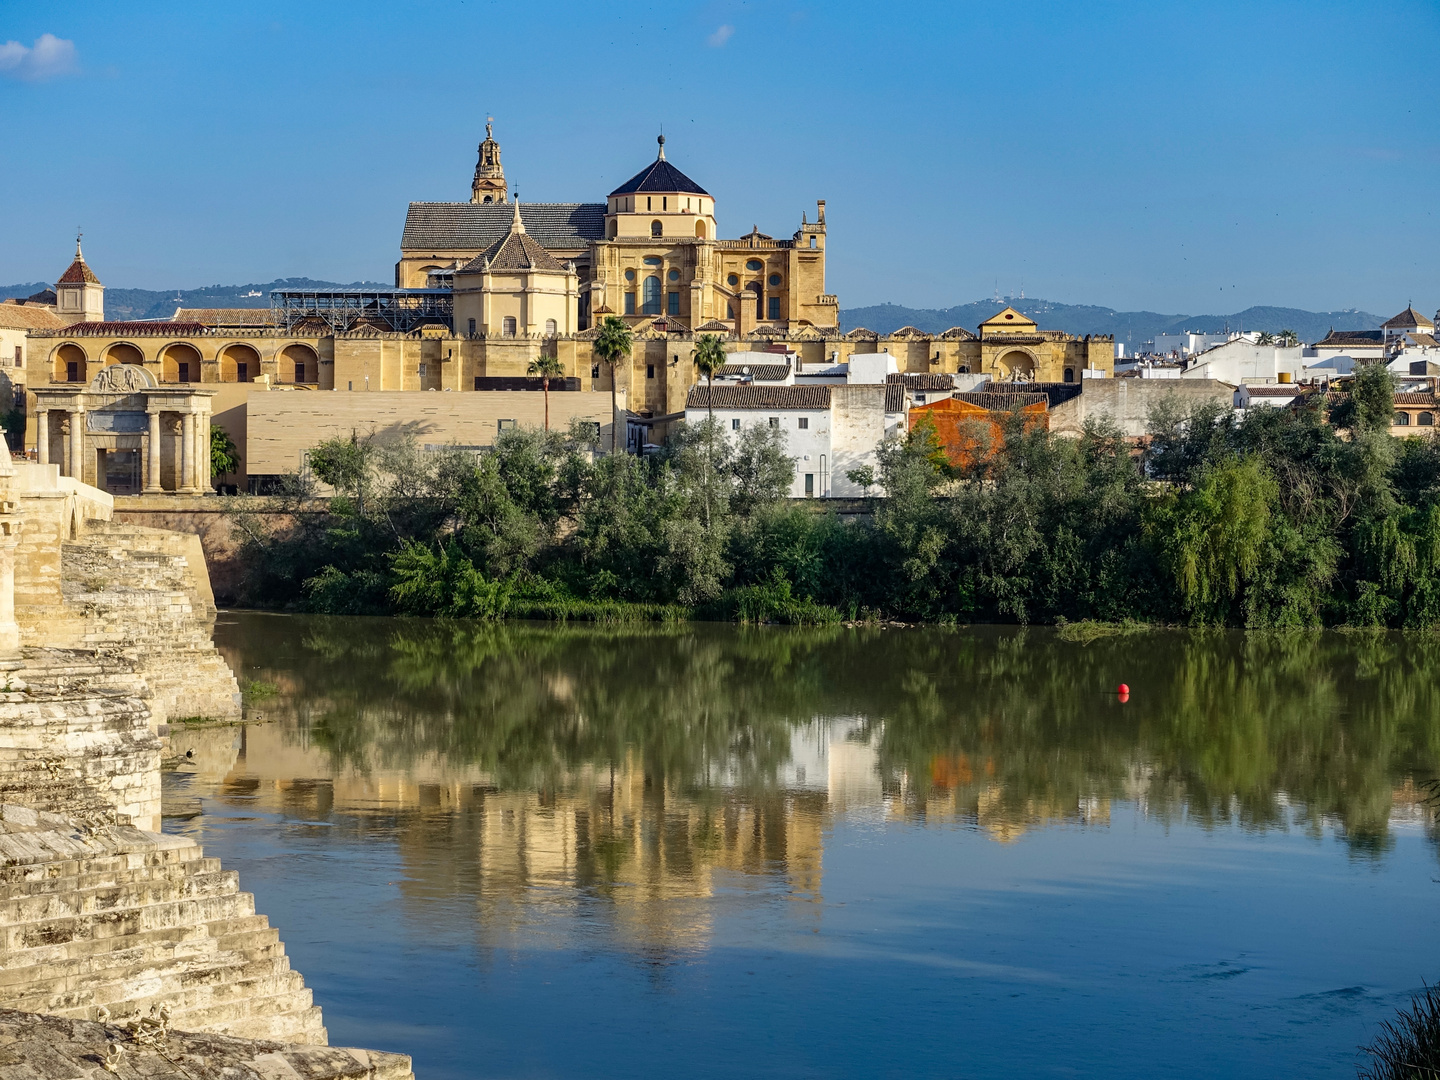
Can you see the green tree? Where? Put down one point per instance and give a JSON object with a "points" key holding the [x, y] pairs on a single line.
{"points": [[613, 346], [709, 354], [1212, 538], [762, 467], [864, 476], [1266, 338], [546, 367], [1288, 339], [224, 457], [346, 465]]}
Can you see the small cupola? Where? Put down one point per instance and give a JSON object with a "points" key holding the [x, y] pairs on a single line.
{"points": [[79, 296]]}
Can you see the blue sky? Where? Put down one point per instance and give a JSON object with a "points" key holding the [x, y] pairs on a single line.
{"points": [[1179, 157]]}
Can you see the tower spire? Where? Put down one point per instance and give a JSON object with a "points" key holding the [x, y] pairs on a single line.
{"points": [[661, 155], [516, 225], [489, 183]]}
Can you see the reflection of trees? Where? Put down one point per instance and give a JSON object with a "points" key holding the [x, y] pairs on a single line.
{"points": [[995, 723]]}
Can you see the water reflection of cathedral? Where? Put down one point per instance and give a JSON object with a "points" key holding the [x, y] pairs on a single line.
{"points": [[618, 852]]}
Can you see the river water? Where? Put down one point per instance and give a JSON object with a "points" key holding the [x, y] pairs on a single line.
{"points": [[710, 851]]}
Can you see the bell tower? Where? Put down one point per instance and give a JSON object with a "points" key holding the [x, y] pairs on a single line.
{"points": [[489, 185], [79, 296]]}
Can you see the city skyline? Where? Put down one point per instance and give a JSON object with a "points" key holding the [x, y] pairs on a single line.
{"points": [[1133, 159]]}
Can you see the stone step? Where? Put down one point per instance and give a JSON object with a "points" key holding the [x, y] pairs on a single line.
{"points": [[143, 891], [305, 1026], [163, 915]]}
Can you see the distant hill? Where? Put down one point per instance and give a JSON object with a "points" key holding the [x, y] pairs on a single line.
{"points": [[1131, 327], [150, 304]]}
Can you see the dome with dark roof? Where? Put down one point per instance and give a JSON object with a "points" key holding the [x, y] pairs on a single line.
{"points": [[660, 176]]}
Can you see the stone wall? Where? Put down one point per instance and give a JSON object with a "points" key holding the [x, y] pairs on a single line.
{"points": [[103, 918], [1128, 402]]}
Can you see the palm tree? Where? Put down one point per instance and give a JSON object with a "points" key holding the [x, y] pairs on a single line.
{"points": [[1289, 338], [547, 367], [709, 354], [1266, 338], [612, 346]]}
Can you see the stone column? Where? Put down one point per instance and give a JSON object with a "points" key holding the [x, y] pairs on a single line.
{"points": [[187, 452], [152, 453], [202, 453], [42, 435], [77, 444]]}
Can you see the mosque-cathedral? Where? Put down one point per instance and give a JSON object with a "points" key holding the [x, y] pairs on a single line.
{"points": [[484, 286]]}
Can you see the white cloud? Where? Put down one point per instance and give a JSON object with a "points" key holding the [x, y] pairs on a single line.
{"points": [[48, 57], [721, 36]]}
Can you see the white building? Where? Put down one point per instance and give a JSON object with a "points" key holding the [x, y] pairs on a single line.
{"points": [[829, 429]]}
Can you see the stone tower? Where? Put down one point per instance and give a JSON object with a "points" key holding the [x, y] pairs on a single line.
{"points": [[489, 185], [79, 296]]}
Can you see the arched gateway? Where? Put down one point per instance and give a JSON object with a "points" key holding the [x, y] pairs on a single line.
{"points": [[125, 433]]}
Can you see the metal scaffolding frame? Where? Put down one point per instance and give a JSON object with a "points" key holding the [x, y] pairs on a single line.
{"points": [[341, 309]]}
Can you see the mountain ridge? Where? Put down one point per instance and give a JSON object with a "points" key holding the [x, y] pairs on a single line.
{"points": [[1130, 327]]}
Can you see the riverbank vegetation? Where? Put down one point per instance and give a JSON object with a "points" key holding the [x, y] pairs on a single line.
{"points": [[1282, 519]]}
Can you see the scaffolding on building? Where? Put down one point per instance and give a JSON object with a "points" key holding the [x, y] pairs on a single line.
{"points": [[400, 310]]}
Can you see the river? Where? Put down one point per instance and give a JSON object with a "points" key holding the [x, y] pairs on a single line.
{"points": [[710, 851]]}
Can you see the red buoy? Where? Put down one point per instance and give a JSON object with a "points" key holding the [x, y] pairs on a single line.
{"points": [[1123, 689]]}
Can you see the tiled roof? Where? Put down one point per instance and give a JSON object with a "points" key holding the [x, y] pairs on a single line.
{"points": [[922, 381], [104, 329], [909, 332], [958, 333], [514, 251], [894, 397], [1427, 340], [754, 396], [1274, 391], [1057, 393], [44, 296], [1423, 398], [760, 372], [211, 316], [860, 333], [712, 326], [78, 274], [475, 226], [1409, 319], [29, 317], [999, 402], [1350, 339], [660, 176]]}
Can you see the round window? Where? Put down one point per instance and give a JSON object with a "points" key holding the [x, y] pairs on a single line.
{"points": [[629, 275], [733, 279], [674, 275], [754, 264], [774, 279], [652, 260]]}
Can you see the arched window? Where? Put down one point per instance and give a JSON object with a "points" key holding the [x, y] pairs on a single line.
{"points": [[550, 327], [507, 326], [700, 230], [610, 229], [1427, 419], [1069, 374], [1402, 419], [489, 198], [650, 298], [656, 228]]}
